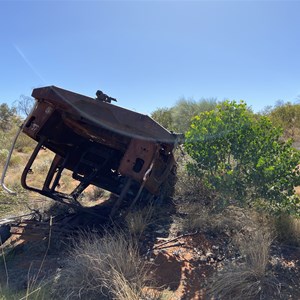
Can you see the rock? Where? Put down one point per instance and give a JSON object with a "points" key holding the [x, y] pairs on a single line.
{"points": [[209, 254], [203, 258]]}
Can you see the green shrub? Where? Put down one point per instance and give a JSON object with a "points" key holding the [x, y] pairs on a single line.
{"points": [[242, 157]]}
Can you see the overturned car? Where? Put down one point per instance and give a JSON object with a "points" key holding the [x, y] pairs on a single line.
{"points": [[102, 144]]}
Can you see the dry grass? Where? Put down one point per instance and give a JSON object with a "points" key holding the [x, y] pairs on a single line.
{"points": [[242, 283], [191, 189], [93, 195], [34, 291], [248, 279], [11, 205], [196, 217], [287, 229], [137, 221], [103, 268], [6, 294], [255, 248]]}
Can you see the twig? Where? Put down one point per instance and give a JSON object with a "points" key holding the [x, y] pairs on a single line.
{"points": [[11, 219], [174, 239], [173, 245]]}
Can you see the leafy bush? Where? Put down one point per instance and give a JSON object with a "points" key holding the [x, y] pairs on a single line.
{"points": [[185, 109], [164, 117], [7, 117], [243, 157]]}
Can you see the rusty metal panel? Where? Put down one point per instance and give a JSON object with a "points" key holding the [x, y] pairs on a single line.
{"points": [[37, 119], [112, 117], [159, 174], [137, 159]]}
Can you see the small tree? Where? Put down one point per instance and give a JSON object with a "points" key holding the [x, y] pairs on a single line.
{"points": [[242, 156], [164, 117], [287, 116], [24, 105], [7, 117], [185, 109], [178, 118]]}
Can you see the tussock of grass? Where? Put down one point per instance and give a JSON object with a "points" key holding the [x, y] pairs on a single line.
{"points": [[103, 267], [137, 221], [196, 217], [288, 230], [249, 279], [243, 283], [255, 248]]}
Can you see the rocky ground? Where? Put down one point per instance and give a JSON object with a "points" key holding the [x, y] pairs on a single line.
{"points": [[182, 262]]}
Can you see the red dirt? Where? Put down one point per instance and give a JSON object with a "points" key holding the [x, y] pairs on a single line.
{"points": [[184, 265]]}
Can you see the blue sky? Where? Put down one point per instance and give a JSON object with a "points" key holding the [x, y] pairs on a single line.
{"points": [[148, 54]]}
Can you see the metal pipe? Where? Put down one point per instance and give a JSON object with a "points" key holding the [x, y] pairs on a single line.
{"points": [[8, 160], [29, 164]]}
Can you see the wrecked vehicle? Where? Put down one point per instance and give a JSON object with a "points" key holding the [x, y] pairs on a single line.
{"points": [[116, 149]]}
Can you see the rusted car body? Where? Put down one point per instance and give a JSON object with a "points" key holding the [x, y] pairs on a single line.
{"points": [[102, 144]]}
